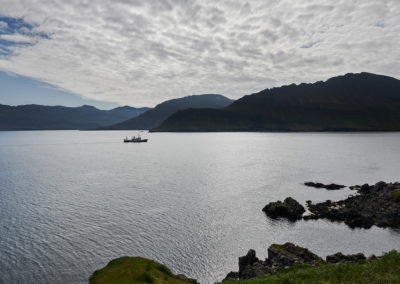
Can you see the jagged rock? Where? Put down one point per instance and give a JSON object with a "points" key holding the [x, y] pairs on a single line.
{"points": [[375, 205], [365, 188], [278, 256], [289, 208], [332, 186], [289, 254], [250, 266], [341, 258], [247, 260], [283, 256]]}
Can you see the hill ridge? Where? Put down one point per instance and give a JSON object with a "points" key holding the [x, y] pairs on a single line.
{"points": [[351, 102]]}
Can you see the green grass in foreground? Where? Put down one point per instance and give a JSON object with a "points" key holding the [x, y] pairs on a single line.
{"points": [[385, 270], [132, 270]]}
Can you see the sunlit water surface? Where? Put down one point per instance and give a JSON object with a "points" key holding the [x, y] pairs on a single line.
{"points": [[71, 201]]}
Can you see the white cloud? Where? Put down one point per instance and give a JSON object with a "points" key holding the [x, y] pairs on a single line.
{"points": [[17, 38], [144, 52]]}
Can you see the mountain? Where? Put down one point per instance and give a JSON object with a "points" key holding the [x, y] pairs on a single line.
{"points": [[353, 102], [157, 115], [125, 112], [39, 117]]}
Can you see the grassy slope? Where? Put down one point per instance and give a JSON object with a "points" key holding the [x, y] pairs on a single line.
{"points": [[132, 270], [385, 270]]}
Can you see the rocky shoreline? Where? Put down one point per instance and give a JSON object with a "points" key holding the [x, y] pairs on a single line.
{"points": [[285, 256], [377, 205]]}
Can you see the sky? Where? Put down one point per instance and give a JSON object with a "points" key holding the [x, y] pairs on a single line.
{"points": [[20, 90], [141, 53]]}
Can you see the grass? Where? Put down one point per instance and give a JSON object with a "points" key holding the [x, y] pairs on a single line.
{"points": [[385, 270], [134, 270]]}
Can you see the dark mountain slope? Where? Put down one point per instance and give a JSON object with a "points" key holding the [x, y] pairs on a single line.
{"points": [[39, 117], [157, 115], [125, 112], [363, 102]]}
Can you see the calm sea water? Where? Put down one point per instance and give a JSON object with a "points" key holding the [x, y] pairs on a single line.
{"points": [[71, 201]]}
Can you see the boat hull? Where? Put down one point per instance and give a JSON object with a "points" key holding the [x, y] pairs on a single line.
{"points": [[133, 141]]}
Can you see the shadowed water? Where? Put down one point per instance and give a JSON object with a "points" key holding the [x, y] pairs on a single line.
{"points": [[71, 201]]}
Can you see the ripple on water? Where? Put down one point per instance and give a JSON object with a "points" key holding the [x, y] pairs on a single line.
{"points": [[71, 202]]}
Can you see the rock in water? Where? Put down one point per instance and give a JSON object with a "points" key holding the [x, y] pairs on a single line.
{"points": [[289, 208], [332, 186]]}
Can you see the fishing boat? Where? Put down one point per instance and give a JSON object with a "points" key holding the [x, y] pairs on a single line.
{"points": [[134, 139]]}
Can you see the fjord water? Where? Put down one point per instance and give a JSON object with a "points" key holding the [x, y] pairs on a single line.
{"points": [[71, 201]]}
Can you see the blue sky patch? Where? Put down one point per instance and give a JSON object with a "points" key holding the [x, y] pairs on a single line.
{"points": [[10, 27], [20, 90]]}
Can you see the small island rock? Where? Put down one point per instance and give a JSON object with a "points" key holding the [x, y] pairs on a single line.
{"points": [[332, 186], [289, 208]]}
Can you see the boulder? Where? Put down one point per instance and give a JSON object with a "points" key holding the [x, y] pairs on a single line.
{"points": [[289, 208]]}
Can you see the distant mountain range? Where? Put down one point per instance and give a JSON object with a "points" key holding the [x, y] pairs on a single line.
{"points": [[39, 117], [154, 117], [353, 102]]}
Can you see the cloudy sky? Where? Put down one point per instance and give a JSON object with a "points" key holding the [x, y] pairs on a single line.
{"points": [[143, 52]]}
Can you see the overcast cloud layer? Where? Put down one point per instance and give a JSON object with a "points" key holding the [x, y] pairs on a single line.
{"points": [[144, 52]]}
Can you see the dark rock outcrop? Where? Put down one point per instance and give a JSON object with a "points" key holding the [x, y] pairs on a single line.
{"points": [[374, 205], [288, 254], [289, 208], [284, 256], [332, 186], [341, 258], [278, 256], [247, 260], [249, 266]]}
